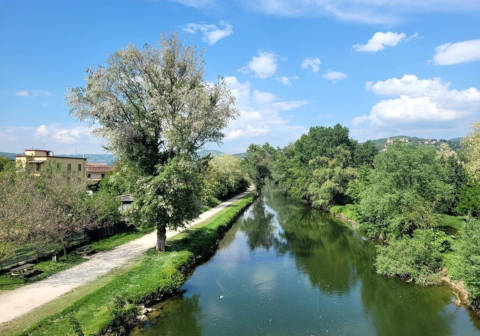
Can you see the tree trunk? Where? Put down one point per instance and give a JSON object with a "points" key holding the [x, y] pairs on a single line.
{"points": [[64, 249], [161, 237]]}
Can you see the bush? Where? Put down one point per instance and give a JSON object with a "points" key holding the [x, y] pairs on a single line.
{"points": [[468, 261], [417, 258]]}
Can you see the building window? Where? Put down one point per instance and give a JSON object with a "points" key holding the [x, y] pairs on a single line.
{"points": [[37, 166], [69, 167], [89, 175], [79, 167], [103, 175]]}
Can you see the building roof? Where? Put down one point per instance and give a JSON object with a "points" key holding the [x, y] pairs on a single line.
{"points": [[55, 157], [38, 150], [98, 168]]}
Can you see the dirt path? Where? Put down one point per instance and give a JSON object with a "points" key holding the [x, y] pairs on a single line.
{"points": [[22, 300]]}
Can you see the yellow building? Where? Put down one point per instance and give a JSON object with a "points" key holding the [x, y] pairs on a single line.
{"points": [[39, 159]]}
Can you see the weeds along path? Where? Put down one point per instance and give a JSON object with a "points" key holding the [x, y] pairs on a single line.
{"points": [[20, 301]]}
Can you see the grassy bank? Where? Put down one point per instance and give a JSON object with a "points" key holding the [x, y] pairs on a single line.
{"points": [[48, 267], [155, 276]]}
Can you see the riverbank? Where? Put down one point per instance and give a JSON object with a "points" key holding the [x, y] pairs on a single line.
{"points": [[345, 214], [115, 306]]}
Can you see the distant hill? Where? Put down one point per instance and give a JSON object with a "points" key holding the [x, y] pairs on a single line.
{"points": [[95, 158], [205, 152], [10, 156], [382, 143]]}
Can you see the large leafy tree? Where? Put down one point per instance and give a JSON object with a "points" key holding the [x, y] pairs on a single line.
{"points": [[154, 106], [258, 164], [471, 145], [407, 184]]}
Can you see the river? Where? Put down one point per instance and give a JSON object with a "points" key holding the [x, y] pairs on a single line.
{"points": [[285, 269]]}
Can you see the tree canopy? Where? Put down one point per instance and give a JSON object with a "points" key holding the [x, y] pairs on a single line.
{"points": [[156, 111]]}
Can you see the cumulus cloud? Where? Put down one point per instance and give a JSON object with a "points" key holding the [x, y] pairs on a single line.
{"points": [[312, 63], [419, 102], [459, 52], [286, 80], [32, 93], [379, 41], [260, 115], [334, 76], [211, 33], [263, 65]]}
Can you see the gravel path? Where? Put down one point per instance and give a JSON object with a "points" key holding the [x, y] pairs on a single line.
{"points": [[22, 300]]}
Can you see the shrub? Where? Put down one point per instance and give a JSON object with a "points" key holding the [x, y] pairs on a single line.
{"points": [[417, 258]]}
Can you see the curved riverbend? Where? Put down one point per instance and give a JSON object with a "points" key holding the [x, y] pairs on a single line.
{"points": [[285, 269]]}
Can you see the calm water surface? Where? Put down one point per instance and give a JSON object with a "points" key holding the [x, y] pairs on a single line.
{"points": [[284, 269]]}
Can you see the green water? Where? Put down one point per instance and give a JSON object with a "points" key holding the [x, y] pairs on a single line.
{"points": [[284, 269]]}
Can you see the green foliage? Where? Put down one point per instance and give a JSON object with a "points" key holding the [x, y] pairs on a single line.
{"points": [[170, 197], [364, 154], [5, 163], [258, 164], [469, 199], [417, 258], [357, 185], [318, 167], [468, 261], [330, 178], [405, 187], [76, 326], [224, 178]]}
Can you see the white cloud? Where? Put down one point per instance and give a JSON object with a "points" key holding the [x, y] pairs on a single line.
{"points": [[334, 76], [380, 40], [286, 80], [259, 118], [33, 93], [311, 62], [195, 3], [263, 65], [42, 130], [459, 52], [59, 138], [419, 102], [363, 11], [211, 33]]}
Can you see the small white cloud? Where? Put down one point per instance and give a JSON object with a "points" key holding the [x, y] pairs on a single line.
{"points": [[260, 114], [263, 65], [334, 76], [311, 62], [380, 40], [211, 33], [23, 93], [42, 130], [285, 80], [33, 93], [459, 52], [418, 101]]}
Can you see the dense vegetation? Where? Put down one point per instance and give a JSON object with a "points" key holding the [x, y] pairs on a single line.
{"points": [[406, 196]]}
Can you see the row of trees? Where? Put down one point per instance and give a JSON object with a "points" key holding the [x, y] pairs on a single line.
{"points": [[42, 212], [397, 195]]}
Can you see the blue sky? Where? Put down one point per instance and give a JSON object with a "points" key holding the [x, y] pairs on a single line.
{"points": [[380, 67]]}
